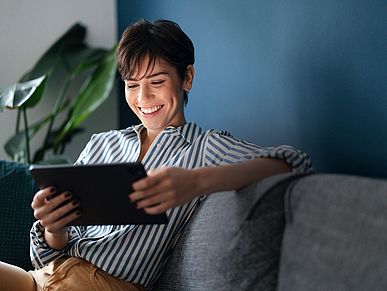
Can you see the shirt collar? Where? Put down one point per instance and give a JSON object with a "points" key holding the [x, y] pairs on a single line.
{"points": [[189, 131]]}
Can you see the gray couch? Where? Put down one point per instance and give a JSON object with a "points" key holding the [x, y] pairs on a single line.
{"points": [[319, 232], [315, 232]]}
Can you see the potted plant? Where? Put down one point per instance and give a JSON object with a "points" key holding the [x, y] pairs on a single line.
{"points": [[68, 63]]}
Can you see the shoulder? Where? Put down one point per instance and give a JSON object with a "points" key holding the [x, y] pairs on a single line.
{"points": [[102, 147], [216, 133], [224, 138], [110, 135], [202, 137]]}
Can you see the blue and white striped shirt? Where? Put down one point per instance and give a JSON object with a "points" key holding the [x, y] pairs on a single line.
{"points": [[137, 253]]}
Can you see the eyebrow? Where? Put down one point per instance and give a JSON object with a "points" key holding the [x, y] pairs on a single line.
{"points": [[150, 76]]}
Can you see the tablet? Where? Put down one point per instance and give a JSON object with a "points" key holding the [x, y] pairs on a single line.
{"points": [[102, 190]]}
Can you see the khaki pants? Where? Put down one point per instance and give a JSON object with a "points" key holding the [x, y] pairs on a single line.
{"points": [[70, 273]]}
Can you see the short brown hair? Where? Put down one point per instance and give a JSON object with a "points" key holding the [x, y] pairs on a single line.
{"points": [[161, 39]]}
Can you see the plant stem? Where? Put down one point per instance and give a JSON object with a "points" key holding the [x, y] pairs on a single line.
{"points": [[27, 135], [62, 148], [56, 110], [17, 121]]}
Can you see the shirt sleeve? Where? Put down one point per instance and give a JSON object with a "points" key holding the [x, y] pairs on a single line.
{"points": [[223, 149], [84, 156], [41, 254]]}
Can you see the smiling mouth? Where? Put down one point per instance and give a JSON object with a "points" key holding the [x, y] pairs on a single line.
{"points": [[150, 110]]}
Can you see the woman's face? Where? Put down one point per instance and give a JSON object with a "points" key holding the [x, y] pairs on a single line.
{"points": [[156, 96]]}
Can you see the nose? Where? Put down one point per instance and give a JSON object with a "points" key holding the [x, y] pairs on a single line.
{"points": [[144, 93]]}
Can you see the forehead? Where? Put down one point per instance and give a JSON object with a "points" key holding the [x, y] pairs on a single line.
{"points": [[147, 66]]}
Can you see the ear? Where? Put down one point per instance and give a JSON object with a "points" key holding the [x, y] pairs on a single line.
{"points": [[189, 75]]}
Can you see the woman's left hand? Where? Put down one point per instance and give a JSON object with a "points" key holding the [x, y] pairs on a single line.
{"points": [[165, 188]]}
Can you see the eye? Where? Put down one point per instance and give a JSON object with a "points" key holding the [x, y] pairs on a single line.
{"points": [[131, 86], [157, 83]]}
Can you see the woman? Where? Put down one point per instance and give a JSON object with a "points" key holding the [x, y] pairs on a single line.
{"points": [[184, 163]]}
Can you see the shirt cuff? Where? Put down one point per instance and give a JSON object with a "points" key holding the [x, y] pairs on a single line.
{"points": [[37, 235]]}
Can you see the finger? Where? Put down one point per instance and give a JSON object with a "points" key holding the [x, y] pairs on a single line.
{"points": [[144, 183], [63, 210], [50, 204], [53, 203], [152, 179], [160, 208], [63, 222], [139, 195], [59, 213], [41, 196], [162, 186], [152, 200]]}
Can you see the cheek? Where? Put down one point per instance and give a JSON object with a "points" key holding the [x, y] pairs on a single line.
{"points": [[176, 94], [130, 100], [128, 97]]}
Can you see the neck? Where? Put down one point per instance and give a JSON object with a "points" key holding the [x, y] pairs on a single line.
{"points": [[148, 136]]}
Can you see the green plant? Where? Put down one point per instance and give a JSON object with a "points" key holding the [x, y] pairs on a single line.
{"points": [[69, 65]]}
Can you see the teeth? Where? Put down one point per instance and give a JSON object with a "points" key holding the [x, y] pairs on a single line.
{"points": [[150, 109]]}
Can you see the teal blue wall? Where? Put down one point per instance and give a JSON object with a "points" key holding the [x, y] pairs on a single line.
{"points": [[308, 73]]}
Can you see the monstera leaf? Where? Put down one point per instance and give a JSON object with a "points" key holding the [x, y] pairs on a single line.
{"points": [[95, 91], [69, 42], [68, 63], [26, 93], [15, 146]]}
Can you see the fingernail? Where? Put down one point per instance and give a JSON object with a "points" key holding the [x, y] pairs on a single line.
{"points": [[52, 190], [48, 198], [68, 194], [75, 202], [78, 213]]}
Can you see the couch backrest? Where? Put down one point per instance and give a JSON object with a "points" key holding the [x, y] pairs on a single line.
{"points": [[16, 191], [336, 235], [232, 242]]}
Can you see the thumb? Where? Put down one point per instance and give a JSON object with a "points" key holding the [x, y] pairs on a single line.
{"points": [[153, 172]]}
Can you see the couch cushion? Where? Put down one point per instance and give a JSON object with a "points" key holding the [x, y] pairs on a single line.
{"points": [[16, 191], [232, 242], [336, 235]]}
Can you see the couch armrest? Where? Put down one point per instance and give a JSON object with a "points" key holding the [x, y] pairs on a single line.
{"points": [[232, 241], [336, 235]]}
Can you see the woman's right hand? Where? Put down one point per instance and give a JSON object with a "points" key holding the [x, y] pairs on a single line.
{"points": [[54, 214]]}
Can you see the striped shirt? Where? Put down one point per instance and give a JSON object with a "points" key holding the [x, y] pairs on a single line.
{"points": [[137, 253]]}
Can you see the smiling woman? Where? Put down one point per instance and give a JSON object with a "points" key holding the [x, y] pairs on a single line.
{"points": [[157, 98], [184, 164]]}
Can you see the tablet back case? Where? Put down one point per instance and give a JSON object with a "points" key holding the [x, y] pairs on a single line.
{"points": [[102, 190]]}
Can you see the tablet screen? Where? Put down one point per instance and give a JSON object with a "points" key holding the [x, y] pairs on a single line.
{"points": [[102, 190]]}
